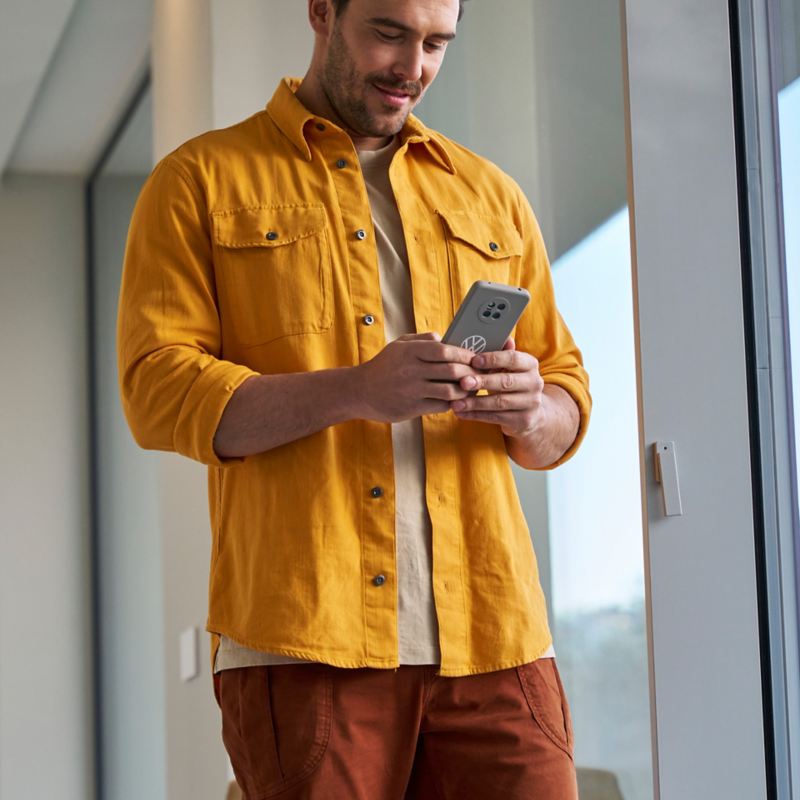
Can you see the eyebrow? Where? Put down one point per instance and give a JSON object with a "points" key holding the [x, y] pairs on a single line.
{"points": [[387, 22]]}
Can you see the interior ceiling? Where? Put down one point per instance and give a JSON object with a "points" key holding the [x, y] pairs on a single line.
{"points": [[29, 34], [69, 69]]}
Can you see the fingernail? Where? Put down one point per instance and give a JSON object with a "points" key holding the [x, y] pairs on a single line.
{"points": [[459, 405], [470, 382], [478, 361]]}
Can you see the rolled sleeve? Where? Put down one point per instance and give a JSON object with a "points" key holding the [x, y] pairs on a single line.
{"points": [[202, 409], [579, 393], [173, 383], [543, 333]]}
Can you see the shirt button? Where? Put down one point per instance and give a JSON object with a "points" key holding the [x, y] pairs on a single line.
{"points": [[494, 247], [369, 319], [341, 163], [379, 580], [376, 491], [272, 236], [361, 234]]}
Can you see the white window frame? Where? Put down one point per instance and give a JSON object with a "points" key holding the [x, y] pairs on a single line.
{"points": [[704, 569]]}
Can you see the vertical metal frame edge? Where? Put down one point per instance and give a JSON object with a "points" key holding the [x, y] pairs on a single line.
{"points": [[759, 37]]}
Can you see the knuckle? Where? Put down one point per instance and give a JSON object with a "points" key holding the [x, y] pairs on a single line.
{"points": [[500, 402], [507, 380]]}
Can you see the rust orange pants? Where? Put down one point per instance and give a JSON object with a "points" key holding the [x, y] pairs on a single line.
{"points": [[316, 732]]}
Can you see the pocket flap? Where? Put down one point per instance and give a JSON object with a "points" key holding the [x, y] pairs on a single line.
{"points": [[266, 226], [492, 236]]}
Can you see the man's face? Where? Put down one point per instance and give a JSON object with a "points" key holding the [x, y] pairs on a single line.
{"points": [[381, 58]]}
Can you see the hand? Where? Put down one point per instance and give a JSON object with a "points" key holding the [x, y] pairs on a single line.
{"points": [[413, 375], [516, 391]]}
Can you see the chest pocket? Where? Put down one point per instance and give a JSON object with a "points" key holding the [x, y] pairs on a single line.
{"points": [[479, 248], [273, 271]]}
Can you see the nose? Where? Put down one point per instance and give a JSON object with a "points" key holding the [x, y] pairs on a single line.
{"points": [[408, 66]]}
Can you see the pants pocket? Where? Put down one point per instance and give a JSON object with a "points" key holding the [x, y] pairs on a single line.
{"points": [[544, 692], [276, 723]]}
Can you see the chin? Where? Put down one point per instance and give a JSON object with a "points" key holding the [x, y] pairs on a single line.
{"points": [[390, 126]]}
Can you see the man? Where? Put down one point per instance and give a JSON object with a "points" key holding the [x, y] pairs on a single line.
{"points": [[378, 626]]}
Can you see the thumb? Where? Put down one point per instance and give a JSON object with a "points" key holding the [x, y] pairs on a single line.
{"points": [[510, 344]]}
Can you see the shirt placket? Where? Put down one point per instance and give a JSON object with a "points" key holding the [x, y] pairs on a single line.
{"points": [[376, 491], [432, 312]]}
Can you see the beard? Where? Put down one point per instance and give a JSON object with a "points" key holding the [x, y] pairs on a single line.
{"points": [[346, 90]]}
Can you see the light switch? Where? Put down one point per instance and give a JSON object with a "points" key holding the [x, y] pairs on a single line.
{"points": [[190, 667]]}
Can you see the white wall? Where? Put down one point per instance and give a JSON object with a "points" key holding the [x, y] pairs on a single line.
{"points": [[254, 44], [181, 72], [46, 726]]}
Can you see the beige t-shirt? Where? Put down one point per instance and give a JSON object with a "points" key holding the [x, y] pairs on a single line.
{"points": [[417, 627]]}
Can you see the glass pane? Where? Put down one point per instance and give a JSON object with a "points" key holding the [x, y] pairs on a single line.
{"points": [[133, 739], [550, 113], [789, 127], [789, 124]]}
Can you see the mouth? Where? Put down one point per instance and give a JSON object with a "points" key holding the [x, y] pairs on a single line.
{"points": [[393, 97]]}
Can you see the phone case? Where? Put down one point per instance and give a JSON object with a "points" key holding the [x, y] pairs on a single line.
{"points": [[487, 316]]}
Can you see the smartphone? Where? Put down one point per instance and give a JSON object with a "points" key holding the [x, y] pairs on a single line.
{"points": [[487, 316]]}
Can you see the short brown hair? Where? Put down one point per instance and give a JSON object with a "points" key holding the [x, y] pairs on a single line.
{"points": [[340, 5]]}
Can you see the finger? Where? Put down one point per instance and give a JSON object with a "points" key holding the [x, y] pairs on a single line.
{"points": [[445, 390], [510, 344], [446, 371], [499, 382], [502, 402], [514, 360], [438, 352]]}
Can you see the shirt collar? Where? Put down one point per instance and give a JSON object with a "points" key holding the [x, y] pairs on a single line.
{"points": [[291, 116]]}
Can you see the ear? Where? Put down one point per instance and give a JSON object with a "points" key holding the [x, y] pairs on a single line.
{"points": [[321, 16]]}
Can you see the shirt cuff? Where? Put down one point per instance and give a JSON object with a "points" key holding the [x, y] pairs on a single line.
{"points": [[202, 410], [577, 391]]}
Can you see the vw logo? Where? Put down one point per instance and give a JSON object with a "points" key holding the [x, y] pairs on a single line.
{"points": [[475, 343]]}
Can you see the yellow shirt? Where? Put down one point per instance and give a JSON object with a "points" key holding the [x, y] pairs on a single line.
{"points": [[252, 251]]}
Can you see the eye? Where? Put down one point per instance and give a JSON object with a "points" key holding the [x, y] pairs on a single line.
{"points": [[435, 46], [388, 37]]}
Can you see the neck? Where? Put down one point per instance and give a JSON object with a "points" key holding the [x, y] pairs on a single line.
{"points": [[311, 94]]}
